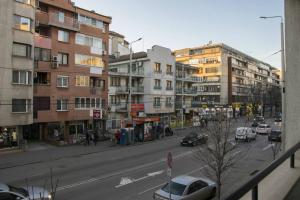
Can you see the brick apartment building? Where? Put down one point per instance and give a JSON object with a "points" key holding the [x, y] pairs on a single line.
{"points": [[70, 78]]}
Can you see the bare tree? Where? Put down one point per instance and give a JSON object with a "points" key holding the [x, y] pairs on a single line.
{"points": [[218, 154]]}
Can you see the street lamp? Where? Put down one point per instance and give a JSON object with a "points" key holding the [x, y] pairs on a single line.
{"points": [[130, 78]]}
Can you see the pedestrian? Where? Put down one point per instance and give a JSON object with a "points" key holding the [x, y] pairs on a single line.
{"points": [[87, 138], [95, 137]]}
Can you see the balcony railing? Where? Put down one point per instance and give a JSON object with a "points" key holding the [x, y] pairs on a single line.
{"points": [[157, 87], [121, 108], [253, 183], [42, 41], [170, 73], [122, 89], [157, 105], [169, 105], [169, 88], [96, 90], [138, 73], [139, 89], [157, 71], [63, 22]]}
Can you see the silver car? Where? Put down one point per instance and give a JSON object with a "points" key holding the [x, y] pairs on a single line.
{"points": [[187, 188], [8, 192]]}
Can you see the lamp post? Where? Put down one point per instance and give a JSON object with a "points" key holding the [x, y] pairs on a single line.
{"points": [[282, 68], [130, 79]]}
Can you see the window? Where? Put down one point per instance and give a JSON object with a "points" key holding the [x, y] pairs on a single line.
{"points": [[63, 36], [29, 2], [88, 60], [169, 85], [157, 84], [62, 81], [22, 77], [87, 103], [41, 103], [156, 102], [211, 70], [23, 23], [41, 54], [23, 50], [90, 21], [157, 68], [62, 105], [169, 69], [63, 58], [169, 102], [176, 188], [196, 186], [21, 105], [115, 81], [42, 78], [61, 17], [88, 41], [82, 80]]}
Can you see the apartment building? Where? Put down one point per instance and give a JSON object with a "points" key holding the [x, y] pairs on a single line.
{"points": [[16, 69], [118, 46], [152, 88], [71, 62], [187, 95], [230, 77]]}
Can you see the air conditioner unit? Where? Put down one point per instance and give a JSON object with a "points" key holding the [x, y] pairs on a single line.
{"points": [[104, 52], [54, 65], [55, 59]]}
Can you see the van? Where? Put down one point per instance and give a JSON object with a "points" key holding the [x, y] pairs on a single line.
{"points": [[245, 133]]}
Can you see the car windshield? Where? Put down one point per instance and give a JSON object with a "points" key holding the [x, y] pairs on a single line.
{"points": [[176, 188], [192, 135], [21, 191]]}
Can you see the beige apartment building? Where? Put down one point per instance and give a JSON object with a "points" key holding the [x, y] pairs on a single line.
{"points": [[16, 69]]}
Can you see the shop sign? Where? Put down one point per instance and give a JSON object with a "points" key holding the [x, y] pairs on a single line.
{"points": [[137, 107], [97, 114]]}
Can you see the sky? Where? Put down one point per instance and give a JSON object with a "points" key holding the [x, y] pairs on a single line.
{"points": [[178, 24]]}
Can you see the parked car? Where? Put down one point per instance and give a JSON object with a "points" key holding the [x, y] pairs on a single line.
{"points": [[193, 139], [9, 192], [187, 188], [263, 129], [258, 119], [245, 133], [275, 135]]}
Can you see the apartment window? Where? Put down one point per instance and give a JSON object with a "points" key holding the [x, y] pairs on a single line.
{"points": [[61, 17], [29, 2], [97, 82], [42, 78], [169, 102], [63, 36], [88, 60], [42, 103], [63, 58], [156, 102], [90, 21], [23, 50], [211, 70], [157, 84], [41, 54], [169, 85], [82, 80], [22, 77], [62, 105], [169, 69], [115, 81], [87, 103], [157, 68], [86, 40], [23, 23], [62, 81], [21, 105]]}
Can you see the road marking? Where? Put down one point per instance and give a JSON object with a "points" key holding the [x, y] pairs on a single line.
{"points": [[126, 180], [267, 147]]}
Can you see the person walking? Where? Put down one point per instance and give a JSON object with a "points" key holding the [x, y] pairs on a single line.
{"points": [[95, 137], [87, 138]]}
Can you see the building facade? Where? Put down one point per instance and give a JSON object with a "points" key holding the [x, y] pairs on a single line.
{"points": [[230, 77], [17, 19], [118, 46], [152, 88], [71, 62]]}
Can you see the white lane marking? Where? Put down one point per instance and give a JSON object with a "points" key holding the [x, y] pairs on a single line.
{"points": [[267, 147], [126, 180], [120, 172]]}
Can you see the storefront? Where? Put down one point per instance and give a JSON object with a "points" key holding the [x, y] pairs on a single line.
{"points": [[9, 137]]}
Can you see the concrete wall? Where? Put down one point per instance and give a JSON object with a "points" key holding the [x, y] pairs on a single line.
{"points": [[292, 47], [8, 35]]}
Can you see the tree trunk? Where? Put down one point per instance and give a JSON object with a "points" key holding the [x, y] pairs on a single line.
{"points": [[219, 190]]}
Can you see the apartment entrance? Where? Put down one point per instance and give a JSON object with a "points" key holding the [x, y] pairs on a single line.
{"points": [[76, 132]]}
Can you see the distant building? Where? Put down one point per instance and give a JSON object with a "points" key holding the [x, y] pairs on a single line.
{"points": [[230, 77], [17, 20], [118, 46], [152, 89]]}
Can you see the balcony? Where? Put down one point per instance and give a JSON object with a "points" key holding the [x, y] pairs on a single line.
{"points": [[169, 88], [119, 73], [169, 105], [120, 108], [41, 17], [122, 89], [42, 41], [157, 87], [170, 73], [138, 89], [196, 104], [157, 71], [96, 90], [138, 73], [64, 22], [156, 105]]}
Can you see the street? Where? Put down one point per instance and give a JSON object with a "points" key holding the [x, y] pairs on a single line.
{"points": [[134, 172]]}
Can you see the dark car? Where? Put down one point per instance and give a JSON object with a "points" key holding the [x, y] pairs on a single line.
{"points": [[259, 119], [193, 139], [275, 135]]}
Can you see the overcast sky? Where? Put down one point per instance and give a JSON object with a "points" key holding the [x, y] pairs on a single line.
{"points": [[189, 23]]}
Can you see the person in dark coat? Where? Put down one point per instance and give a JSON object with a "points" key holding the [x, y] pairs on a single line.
{"points": [[95, 137], [87, 138]]}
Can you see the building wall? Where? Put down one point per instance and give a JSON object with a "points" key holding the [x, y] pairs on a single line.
{"points": [[8, 35], [292, 81]]}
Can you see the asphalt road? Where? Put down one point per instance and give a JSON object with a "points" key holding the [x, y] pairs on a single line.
{"points": [[135, 172]]}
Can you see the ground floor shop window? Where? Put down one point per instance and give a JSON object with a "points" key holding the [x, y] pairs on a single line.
{"points": [[8, 137]]}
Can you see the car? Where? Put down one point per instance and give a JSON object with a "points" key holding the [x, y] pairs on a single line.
{"points": [[245, 133], [275, 135], [187, 188], [9, 192], [278, 122], [263, 129], [193, 139]]}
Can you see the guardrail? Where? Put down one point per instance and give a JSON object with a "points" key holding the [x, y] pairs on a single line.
{"points": [[252, 184]]}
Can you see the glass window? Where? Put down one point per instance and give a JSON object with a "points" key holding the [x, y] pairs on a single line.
{"points": [[63, 36], [62, 105], [88, 60], [29, 2], [41, 54], [88, 102], [176, 188], [21, 105], [63, 58], [23, 50], [62, 81], [77, 102], [61, 17], [22, 77], [90, 21], [82, 80], [98, 103], [23, 23]]}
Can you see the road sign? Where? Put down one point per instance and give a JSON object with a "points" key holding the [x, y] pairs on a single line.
{"points": [[169, 160], [97, 114]]}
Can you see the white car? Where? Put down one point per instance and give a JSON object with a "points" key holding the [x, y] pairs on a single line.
{"points": [[9, 192], [263, 129], [187, 188], [245, 133]]}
